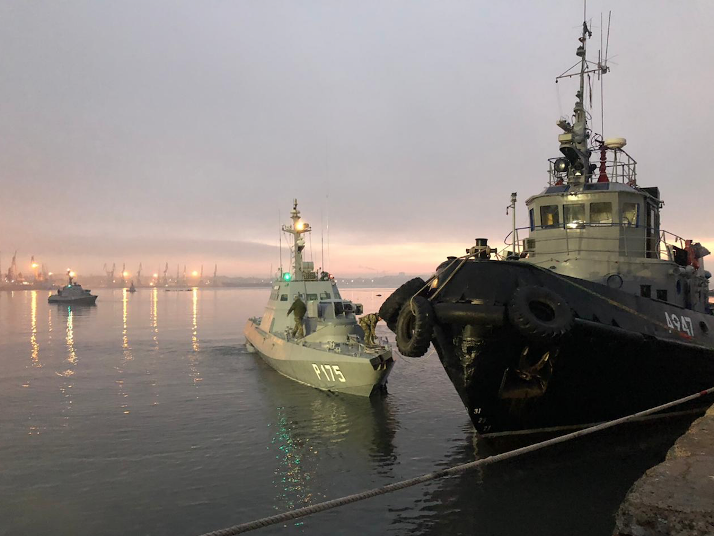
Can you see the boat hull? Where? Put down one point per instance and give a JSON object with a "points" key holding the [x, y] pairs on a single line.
{"points": [[621, 354], [319, 368], [84, 300]]}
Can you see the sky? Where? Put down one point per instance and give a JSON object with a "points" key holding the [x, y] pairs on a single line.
{"points": [[180, 132]]}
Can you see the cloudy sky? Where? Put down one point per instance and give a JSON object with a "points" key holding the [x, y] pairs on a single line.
{"points": [[155, 131]]}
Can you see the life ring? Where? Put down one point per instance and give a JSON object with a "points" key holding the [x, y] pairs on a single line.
{"points": [[539, 313], [415, 326], [389, 311]]}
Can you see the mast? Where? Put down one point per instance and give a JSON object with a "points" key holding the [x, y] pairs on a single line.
{"points": [[297, 229], [574, 140]]}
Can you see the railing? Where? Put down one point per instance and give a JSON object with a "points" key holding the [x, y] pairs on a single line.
{"points": [[662, 241], [619, 167]]}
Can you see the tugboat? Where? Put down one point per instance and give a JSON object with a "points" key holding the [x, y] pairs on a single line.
{"points": [[132, 288], [332, 355], [72, 294], [601, 314]]}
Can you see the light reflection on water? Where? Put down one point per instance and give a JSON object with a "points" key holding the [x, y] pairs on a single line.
{"points": [[255, 443]]}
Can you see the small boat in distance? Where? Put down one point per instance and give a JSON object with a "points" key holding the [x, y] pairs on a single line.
{"points": [[332, 355], [72, 294], [132, 288]]}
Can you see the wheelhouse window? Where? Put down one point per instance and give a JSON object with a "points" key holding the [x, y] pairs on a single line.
{"points": [[531, 217], [631, 214], [324, 295], [283, 297], [311, 297], [601, 213], [574, 215], [549, 216]]}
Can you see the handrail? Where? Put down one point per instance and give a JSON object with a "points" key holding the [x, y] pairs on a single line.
{"points": [[664, 239]]}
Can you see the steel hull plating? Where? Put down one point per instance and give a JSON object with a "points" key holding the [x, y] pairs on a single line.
{"points": [[318, 368], [623, 354], [84, 300]]}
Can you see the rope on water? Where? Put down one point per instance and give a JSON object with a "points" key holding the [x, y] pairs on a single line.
{"points": [[458, 469]]}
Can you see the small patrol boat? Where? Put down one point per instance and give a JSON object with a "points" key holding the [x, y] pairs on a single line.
{"points": [[132, 288], [72, 293], [601, 314], [332, 355]]}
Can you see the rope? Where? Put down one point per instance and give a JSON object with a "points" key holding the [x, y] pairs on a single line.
{"points": [[458, 469]]}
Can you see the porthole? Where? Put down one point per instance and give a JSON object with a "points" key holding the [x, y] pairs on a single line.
{"points": [[614, 281]]}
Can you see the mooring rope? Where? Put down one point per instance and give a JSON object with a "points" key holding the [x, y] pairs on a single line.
{"points": [[457, 469]]}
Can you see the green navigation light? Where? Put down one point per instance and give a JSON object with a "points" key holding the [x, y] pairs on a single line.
{"points": [[287, 276]]}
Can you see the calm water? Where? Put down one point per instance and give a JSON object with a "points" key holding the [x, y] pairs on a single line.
{"points": [[145, 415]]}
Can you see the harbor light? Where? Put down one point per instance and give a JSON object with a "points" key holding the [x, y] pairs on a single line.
{"points": [[156, 275], [35, 265], [125, 274], [194, 273]]}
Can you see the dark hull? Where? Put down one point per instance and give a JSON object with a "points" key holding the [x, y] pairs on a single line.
{"points": [[84, 300], [621, 354]]}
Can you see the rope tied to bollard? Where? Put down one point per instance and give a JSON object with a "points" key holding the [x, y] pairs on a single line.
{"points": [[457, 469]]}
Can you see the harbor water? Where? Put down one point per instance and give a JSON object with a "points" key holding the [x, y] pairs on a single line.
{"points": [[144, 414]]}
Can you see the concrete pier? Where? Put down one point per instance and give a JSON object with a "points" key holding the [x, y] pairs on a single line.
{"points": [[676, 497]]}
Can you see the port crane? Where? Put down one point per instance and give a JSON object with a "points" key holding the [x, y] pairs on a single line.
{"points": [[138, 275]]}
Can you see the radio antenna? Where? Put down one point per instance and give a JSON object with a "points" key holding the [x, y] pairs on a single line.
{"points": [[280, 242]]}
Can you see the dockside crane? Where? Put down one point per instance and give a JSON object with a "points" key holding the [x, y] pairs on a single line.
{"points": [[138, 275], [166, 278], [215, 273]]}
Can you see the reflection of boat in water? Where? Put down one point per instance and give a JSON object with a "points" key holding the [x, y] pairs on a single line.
{"points": [[332, 355], [72, 294], [314, 433], [602, 315]]}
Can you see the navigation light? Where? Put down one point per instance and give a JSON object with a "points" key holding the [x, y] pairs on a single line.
{"points": [[287, 276]]}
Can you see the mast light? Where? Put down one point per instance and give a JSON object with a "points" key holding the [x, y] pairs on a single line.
{"points": [[287, 276]]}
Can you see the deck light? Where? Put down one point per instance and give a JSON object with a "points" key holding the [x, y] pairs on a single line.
{"points": [[562, 165]]}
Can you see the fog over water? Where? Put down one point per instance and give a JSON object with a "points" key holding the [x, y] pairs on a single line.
{"points": [[179, 131]]}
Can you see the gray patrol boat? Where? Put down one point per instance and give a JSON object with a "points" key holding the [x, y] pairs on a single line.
{"points": [[72, 293], [332, 355]]}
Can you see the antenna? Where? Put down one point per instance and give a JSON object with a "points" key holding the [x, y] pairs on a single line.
{"points": [[280, 241]]}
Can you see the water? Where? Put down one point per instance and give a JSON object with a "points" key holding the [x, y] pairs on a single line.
{"points": [[145, 415]]}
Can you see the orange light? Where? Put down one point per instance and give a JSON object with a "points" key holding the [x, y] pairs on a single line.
{"points": [[156, 275], [126, 274], [35, 265], [194, 273]]}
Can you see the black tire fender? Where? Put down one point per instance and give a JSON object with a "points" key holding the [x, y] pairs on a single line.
{"points": [[415, 326], [389, 311], [539, 313]]}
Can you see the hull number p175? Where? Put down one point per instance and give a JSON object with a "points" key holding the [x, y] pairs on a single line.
{"points": [[330, 372]]}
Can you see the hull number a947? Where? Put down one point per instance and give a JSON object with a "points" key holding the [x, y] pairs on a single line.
{"points": [[330, 372], [680, 323]]}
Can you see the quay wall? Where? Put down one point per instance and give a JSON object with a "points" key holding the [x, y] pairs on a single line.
{"points": [[676, 497]]}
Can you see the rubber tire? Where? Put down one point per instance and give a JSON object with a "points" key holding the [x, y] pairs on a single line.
{"points": [[389, 311], [524, 306], [415, 326]]}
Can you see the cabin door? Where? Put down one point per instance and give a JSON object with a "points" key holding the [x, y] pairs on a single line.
{"points": [[652, 232]]}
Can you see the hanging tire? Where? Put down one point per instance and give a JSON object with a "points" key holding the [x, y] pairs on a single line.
{"points": [[389, 311], [415, 325], [539, 314]]}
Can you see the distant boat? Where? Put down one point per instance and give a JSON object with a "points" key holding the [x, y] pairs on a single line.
{"points": [[132, 288], [72, 294]]}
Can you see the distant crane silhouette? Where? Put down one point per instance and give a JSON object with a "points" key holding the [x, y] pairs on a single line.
{"points": [[166, 279], [138, 275], [215, 273], [110, 274]]}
